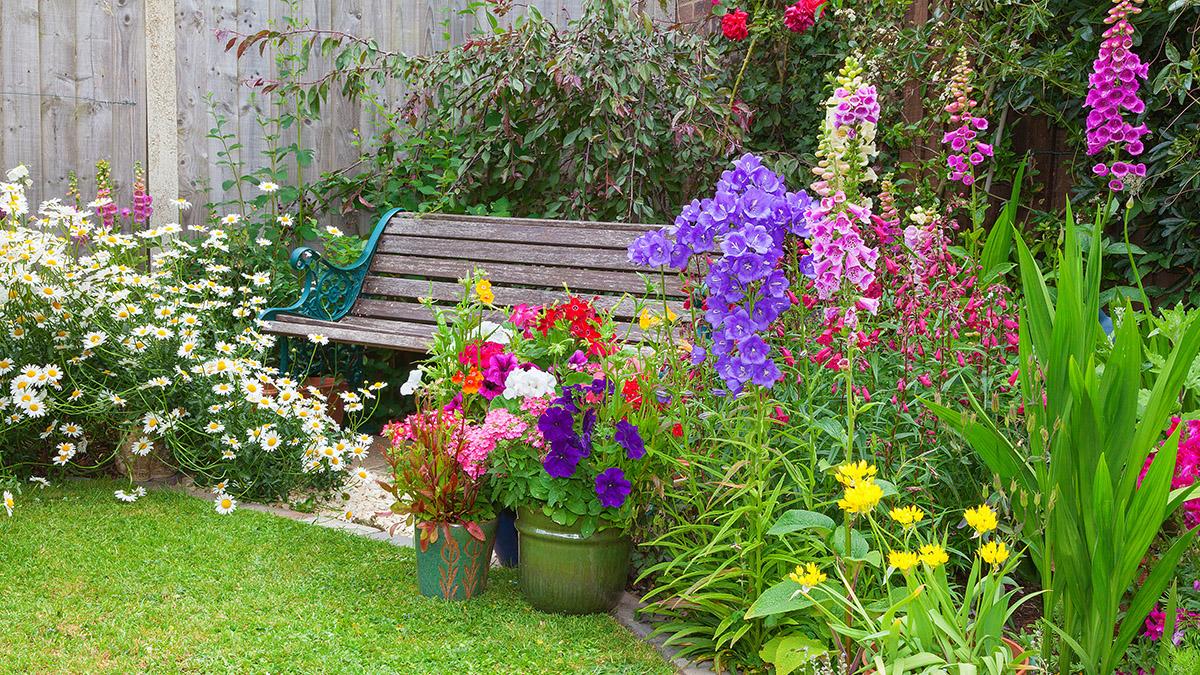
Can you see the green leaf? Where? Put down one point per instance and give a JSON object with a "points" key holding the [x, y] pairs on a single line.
{"points": [[796, 520], [789, 652], [859, 548], [784, 596]]}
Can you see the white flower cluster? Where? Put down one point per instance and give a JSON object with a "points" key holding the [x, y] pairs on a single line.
{"points": [[167, 353], [529, 383]]}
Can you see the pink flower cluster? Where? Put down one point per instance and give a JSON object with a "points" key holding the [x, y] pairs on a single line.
{"points": [[470, 444], [1113, 86], [1156, 624], [480, 440], [142, 201], [968, 152], [838, 249], [1187, 466], [854, 108], [943, 318]]}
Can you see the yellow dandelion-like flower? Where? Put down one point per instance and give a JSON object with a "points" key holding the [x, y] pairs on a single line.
{"points": [[981, 518], [934, 555], [808, 575], [907, 516], [903, 560], [853, 473], [861, 498]]}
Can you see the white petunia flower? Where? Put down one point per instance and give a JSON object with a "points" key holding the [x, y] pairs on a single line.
{"points": [[413, 383]]}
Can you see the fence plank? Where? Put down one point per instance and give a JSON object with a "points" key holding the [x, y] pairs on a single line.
{"points": [[60, 132], [20, 88]]}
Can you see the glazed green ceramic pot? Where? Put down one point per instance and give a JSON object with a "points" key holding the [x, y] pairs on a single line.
{"points": [[455, 567], [564, 572]]}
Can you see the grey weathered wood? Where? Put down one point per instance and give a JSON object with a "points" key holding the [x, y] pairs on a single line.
{"points": [[484, 252], [59, 82], [517, 274], [394, 308], [20, 87], [73, 85], [499, 230]]}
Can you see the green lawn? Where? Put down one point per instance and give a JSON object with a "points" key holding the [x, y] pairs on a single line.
{"points": [[88, 584]]}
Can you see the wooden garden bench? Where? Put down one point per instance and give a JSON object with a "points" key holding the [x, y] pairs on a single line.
{"points": [[376, 302]]}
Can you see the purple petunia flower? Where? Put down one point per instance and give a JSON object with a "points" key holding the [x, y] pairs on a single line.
{"points": [[589, 426], [612, 488], [556, 423], [627, 437], [562, 459]]}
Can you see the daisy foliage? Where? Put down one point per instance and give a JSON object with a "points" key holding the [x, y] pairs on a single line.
{"points": [[147, 342]]}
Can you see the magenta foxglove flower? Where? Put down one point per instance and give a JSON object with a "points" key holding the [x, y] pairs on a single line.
{"points": [[1113, 88]]}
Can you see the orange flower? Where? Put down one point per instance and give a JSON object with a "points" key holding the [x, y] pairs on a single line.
{"points": [[470, 382]]}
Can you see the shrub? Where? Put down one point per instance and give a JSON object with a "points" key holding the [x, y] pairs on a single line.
{"points": [[610, 118], [117, 344]]}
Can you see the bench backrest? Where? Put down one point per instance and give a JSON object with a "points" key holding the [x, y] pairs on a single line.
{"points": [[528, 261]]}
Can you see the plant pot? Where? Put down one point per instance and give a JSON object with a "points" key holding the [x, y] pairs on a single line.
{"points": [[156, 465], [506, 538], [566, 573], [1023, 666], [455, 567]]}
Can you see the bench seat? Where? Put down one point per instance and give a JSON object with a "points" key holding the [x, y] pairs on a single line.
{"points": [[377, 301]]}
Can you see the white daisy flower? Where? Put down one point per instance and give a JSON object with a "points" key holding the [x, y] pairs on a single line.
{"points": [[141, 447], [268, 186], [318, 339], [9, 503], [225, 504]]}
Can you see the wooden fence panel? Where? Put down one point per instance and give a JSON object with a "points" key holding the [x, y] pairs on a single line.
{"points": [[73, 84]]}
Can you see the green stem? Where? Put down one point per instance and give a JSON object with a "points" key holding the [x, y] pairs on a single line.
{"points": [[1137, 276]]}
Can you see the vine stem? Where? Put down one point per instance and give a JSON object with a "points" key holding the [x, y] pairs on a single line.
{"points": [[737, 82]]}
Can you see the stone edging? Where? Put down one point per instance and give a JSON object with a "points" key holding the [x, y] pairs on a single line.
{"points": [[625, 614]]}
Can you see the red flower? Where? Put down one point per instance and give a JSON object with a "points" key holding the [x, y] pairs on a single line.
{"points": [[802, 15], [677, 430], [478, 355], [632, 391], [577, 309], [733, 25]]}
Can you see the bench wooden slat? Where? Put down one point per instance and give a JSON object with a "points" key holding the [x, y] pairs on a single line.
{"points": [[621, 306], [413, 312], [483, 253], [578, 225], [509, 273], [336, 332], [445, 228]]}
